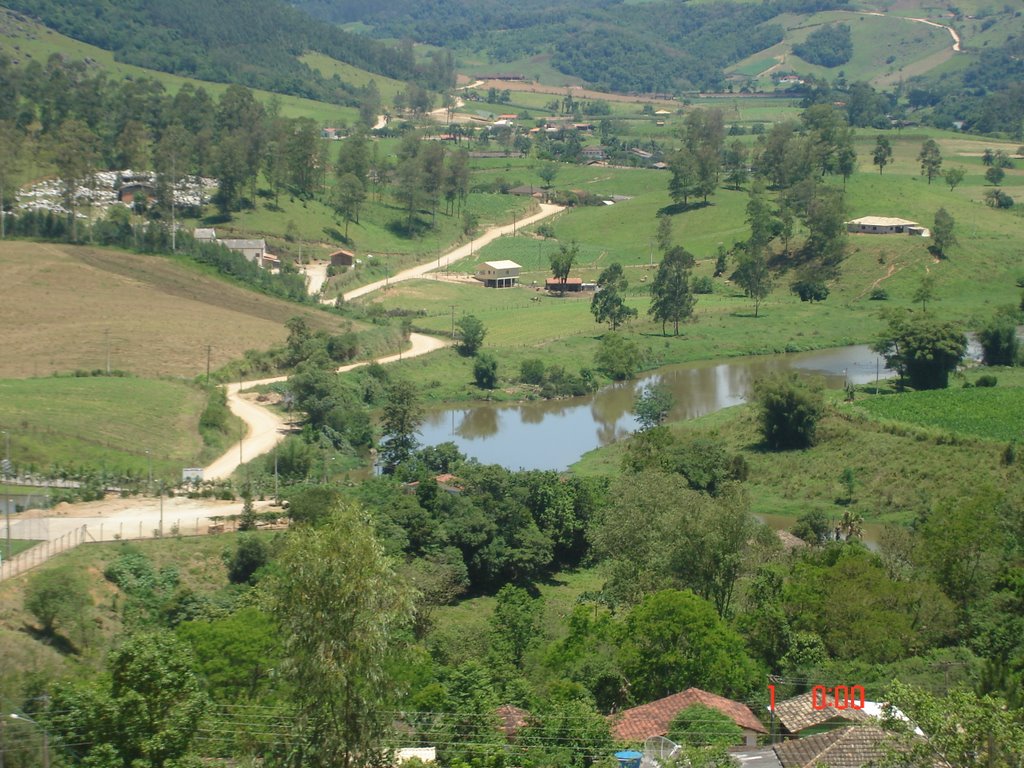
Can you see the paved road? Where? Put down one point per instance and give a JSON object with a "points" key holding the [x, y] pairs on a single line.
{"points": [[453, 255]]}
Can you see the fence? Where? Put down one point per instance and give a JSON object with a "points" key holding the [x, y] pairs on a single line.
{"points": [[110, 531]]}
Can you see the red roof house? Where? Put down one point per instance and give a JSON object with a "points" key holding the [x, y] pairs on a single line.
{"points": [[653, 719]]}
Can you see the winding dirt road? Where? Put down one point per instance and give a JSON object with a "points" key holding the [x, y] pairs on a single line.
{"points": [[453, 255], [267, 428]]}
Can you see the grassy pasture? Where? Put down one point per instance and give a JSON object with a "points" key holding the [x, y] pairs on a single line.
{"points": [[899, 470], [66, 307], [104, 422]]}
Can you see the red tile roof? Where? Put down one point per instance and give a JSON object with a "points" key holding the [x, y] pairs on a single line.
{"points": [[654, 719], [854, 746], [512, 719]]}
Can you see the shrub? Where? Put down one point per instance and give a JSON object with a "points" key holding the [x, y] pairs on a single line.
{"points": [[250, 555], [789, 411], [988, 380], [879, 294], [485, 371], [703, 284], [532, 371]]}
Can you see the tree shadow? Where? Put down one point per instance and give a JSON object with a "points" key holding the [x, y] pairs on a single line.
{"points": [[59, 643], [217, 218], [672, 210], [336, 234]]}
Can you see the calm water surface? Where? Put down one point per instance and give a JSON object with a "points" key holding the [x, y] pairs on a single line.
{"points": [[555, 434]]}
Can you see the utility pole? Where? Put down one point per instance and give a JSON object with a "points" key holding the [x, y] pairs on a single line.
{"points": [[161, 509], [453, 321]]}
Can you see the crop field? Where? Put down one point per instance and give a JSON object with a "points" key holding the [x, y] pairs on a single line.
{"points": [[68, 308], [996, 413], [69, 421]]}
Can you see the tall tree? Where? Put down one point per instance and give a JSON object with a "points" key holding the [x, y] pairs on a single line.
{"points": [[930, 158], [672, 299], [347, 197], [943, 236], [344, 613], [402, 416], [882, 154], [562, 261], [754, 277], [735, 164], [10, 163], [953, 177], [75, 152], [608, 304]]}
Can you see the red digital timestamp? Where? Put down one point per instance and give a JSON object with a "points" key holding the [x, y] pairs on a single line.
{"points": [[823, 697]]}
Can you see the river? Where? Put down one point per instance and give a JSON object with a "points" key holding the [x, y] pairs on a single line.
{"points": [[553, 434]]}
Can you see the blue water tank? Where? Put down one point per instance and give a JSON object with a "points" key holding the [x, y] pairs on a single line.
{"points": [[629, 759]]}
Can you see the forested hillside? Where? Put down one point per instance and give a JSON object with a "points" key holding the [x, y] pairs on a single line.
{"points": [[255, 43], [657, 46]]}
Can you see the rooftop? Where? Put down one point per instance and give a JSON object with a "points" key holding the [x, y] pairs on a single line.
{"points": [[883, 221], [853, 746], [501, 264], [799, 713], [654, 719]]}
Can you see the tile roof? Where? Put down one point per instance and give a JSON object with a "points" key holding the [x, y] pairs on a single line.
{"points": [[654, 719], [799, 713], [853, 746]]}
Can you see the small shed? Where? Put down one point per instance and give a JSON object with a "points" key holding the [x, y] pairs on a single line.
{"points": [[498, 274], [342, 258], [205, 233], [572, 284]]}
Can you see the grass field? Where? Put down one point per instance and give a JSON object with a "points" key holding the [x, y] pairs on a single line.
{"points": [[70, 308], [995, 413], [899, 470], [103, 422]]}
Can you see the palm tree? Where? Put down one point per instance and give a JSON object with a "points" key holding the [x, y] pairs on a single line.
{"points": [[852, 525]]}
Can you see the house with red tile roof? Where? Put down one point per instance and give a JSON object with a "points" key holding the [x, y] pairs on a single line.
{"points": [[653, 719]]}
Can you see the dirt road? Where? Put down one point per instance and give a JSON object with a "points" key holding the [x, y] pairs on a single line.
{"points": [[267, 428], [453, 255]]}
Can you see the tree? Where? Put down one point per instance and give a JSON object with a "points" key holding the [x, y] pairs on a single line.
{"points": [[959, 728], [735, 164], [471, 335], [400, 421], [922, 349], [664, 233], [147, 713], [685, 181], [347, 197], [882, 154], [995, 175], [59, 598], [10, 165], [74, 147], [547, 172], [925, 292], [618, 356], [562, 261], [652, 406], [953, 177], [943, 236], [344, 613], [701, 726], [515, 624], [998, 337], [810, 289], [250, 555], [753, 276], [931, 159], [608, 304], [672, 299], [789, 410], [485, 371], [674, 640]]}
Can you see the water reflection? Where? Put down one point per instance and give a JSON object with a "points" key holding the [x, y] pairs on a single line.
{"points": [[554, 434]]}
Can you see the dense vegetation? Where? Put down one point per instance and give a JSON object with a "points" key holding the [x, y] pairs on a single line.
{"points": [[829, 46], [646, 47], [254, 43]]}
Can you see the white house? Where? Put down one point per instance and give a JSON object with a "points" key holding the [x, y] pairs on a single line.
{"points": [[886, 225], [498, 274], [253, 250]]}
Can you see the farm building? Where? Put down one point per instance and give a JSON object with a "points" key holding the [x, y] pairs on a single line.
{"points": [[498, 274], [205, 233], [886, 225], [253, 250], [653, 719], [572, 284], [342, 258]]}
